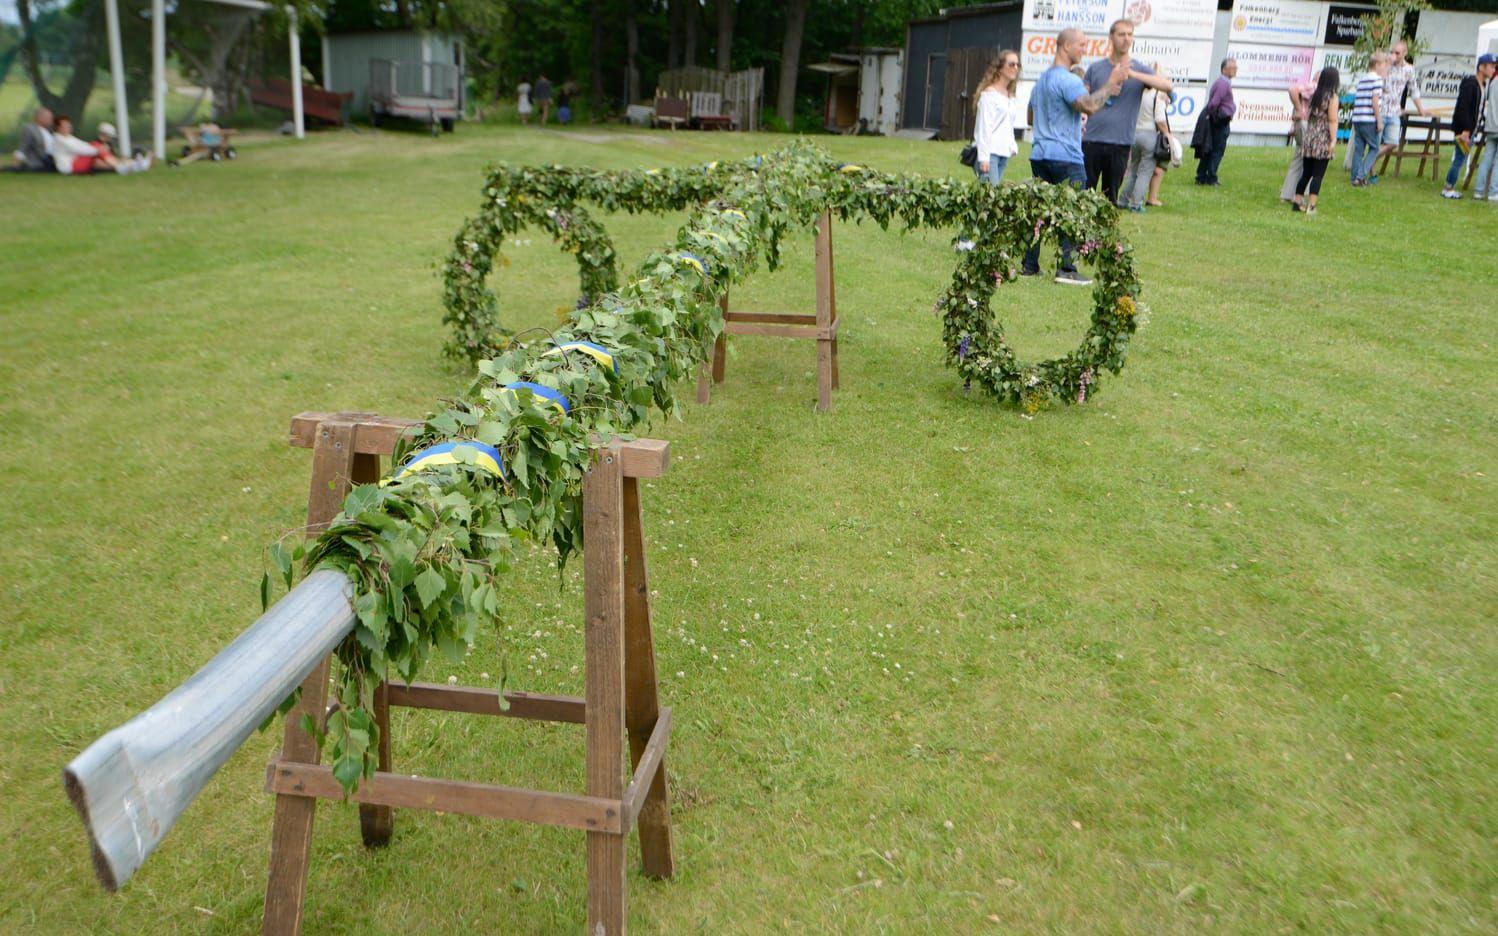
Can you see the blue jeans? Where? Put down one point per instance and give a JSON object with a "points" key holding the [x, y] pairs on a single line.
{"points": [[1056, 173], [1458, 160], [995, 173], [1364, 148], [1487, 169]]}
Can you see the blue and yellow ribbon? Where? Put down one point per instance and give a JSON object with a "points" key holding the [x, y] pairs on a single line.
{"points": [[693, 261], [596, 352], [485, 458], [736, 212], [554, 397], [849, 167]]}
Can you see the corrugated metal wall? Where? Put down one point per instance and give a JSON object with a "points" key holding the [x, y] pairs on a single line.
{"points": [[350, 54], [926, 51]]}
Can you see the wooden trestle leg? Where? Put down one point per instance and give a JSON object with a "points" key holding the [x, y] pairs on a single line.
{"points": [[335, 466], [641, 697], [603, 635]]}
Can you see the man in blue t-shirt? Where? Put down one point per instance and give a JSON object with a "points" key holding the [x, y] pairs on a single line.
{"points": [[1109, 134], [1058, 101]]}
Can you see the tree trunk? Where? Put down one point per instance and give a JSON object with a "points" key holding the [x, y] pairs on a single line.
{"points": [[725, 35], [790, 61], [673, 33], [84, 55], [689, 16], [631, 54], [595, 82]]}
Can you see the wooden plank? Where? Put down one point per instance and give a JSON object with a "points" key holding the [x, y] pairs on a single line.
{"points": [[641, 695], [826, 316], [720, 347], [377, 823], [782, 331], [334, 465], [603, 612], [644, 458], [486, 702], [648, 769], [774, 318], [377, 434], [310, 782]]}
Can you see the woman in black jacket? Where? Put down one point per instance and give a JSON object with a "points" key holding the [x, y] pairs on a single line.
{"points": [[1465, 117]]}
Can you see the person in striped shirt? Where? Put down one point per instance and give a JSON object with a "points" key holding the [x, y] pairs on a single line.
{"points": [[1367, 118]]}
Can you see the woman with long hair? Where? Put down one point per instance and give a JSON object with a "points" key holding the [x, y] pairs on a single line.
{"points": [[998, 115], [1320, 139]]}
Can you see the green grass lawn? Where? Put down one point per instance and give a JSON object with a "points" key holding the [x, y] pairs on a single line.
{"points": [[1215, 650]]}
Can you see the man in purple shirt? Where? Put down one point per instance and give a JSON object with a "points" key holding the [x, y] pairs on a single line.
{"points": [[1211, 138]]}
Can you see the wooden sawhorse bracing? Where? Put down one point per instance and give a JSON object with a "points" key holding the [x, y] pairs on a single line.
{"points": [[621, 696], [820, 327], [1429, 151]]}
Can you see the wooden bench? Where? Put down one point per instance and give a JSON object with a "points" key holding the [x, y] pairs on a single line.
{"points": [[673, 112], [1430, 148]]}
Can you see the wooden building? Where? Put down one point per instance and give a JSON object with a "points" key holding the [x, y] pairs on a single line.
{"points": [[944, 58]]}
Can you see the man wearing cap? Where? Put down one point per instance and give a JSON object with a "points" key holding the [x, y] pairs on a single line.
{"points": [[1465, 118], [35, 152]]}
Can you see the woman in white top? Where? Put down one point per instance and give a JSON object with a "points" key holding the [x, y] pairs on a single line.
{"points": [[998, 114], [525, 101], [1140, 177]]}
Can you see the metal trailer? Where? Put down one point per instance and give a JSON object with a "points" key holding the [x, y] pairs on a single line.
{"points": [[425, 91]]}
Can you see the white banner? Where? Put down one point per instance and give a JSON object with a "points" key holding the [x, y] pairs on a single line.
{"points": [[1271, 66], [1038, 52], [1281, 22], [1261, 111], [1452, 33], [1176, 19], [1188, 105], [1052, 16], [1341, 60], [1441, 75], [1180, 59]]}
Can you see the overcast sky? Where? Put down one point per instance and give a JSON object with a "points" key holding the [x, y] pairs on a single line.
{"points": [[8, 12]]}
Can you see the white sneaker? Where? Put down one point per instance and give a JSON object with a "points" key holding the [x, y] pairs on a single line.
{"points": [[963, 246], [1479, 196], [1452, 194]]}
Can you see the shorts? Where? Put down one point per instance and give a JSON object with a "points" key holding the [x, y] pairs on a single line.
{"points": [[1390, 135], [83, 165]]}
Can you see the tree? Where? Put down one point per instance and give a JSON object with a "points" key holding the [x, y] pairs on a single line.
{"points": [[725, 35], [83, 27], [1380, 29], [790, 60]]}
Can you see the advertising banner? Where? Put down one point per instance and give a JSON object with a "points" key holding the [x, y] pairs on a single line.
{"points": [[1261, 111], [1282, 22], [1338, 58], [1174, 19], [1188, 105], [1052, 16], [1441, 76], [1038, 51], [1271, 66], [1344, 24], [1181, 59]]}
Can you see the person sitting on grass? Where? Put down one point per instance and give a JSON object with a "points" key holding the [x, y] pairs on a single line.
{"points": [[72, 155], [35, 152], [109, 160]]}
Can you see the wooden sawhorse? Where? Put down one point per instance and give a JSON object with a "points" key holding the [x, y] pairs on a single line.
{"points": [[1430, 148], [821, 327], [621, 695]]}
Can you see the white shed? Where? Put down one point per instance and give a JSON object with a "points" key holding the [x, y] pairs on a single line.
{"points": [[347, 58], [880, 73]]}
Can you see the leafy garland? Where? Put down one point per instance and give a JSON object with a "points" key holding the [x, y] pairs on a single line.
{"points": [[503, 465], [1008, 219]]}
